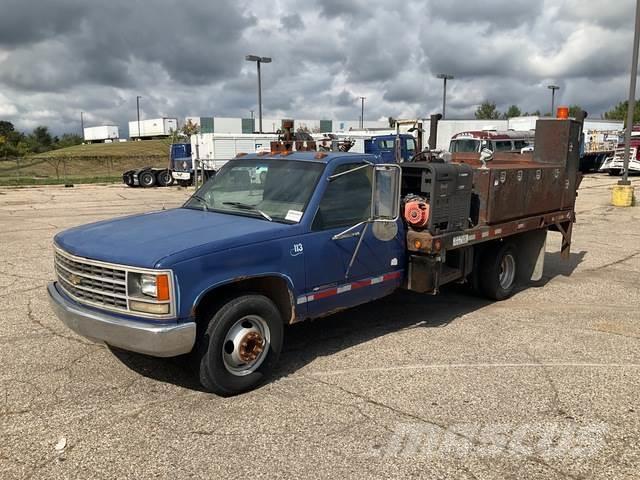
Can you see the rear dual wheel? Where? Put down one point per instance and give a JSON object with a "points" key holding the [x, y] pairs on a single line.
{"points": [[147, 179], [165, 179], [497, 272]]}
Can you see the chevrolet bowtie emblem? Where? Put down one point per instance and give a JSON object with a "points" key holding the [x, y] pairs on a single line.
{"points": [[75, 279]]}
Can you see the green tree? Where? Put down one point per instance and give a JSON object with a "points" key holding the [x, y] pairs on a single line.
{"points": [[40, 140], [190, 128], [512, 111], [575, 111], [487, 111], [68, 140], [619, 112]]}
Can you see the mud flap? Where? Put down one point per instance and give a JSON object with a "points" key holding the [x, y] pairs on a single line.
{"points": [[531, 248]]}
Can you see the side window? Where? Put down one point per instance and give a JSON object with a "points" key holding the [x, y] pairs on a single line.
{"points": [[520, 144], [503, 146], [411, 146], [347, 199]]}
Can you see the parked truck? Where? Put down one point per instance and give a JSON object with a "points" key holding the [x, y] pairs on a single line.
{"points": [[614, 163], [179, 159], [324, 231]]}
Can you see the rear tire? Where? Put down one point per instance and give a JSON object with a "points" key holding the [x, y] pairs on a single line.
{"points": [[164, 178], [614, 172], [498, 271], [240, 345], [147, 179]]}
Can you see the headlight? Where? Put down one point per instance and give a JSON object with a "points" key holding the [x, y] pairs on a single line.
{"points": [[149, 293]]}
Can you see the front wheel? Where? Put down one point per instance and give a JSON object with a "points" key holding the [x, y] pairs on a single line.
{"points": [[498, 271], [240, 346]]}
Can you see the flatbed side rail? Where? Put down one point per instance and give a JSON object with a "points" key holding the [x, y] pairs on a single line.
{"points": [[560, 221]]}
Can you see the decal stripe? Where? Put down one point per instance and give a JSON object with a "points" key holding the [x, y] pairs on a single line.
{"points": [[347, 287]]}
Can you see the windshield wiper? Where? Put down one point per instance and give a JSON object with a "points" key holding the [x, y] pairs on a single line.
{"points": [[202, 201], [248, 207]]}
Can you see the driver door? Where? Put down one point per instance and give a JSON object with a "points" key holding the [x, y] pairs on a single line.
{"points": [[331, 282]]}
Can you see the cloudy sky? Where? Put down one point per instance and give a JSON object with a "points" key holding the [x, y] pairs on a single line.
{"points": [[60, 57]]}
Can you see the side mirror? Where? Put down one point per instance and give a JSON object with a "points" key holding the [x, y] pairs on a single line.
{"points": [[385, 205]]}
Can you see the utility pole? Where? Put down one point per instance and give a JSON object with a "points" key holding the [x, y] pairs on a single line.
{"points": [[362, 112], [259, 60], [444, 77], [632, 100], [82, 125], [138, 107], [553, 89]]}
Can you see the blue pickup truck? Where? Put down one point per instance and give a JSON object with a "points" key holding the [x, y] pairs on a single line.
{"points": [[220, 277]]}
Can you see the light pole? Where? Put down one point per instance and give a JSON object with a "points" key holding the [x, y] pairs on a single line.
{"points": [[138, 108], [632, 100], [362, 112], [82, 124], [259, 60], [444, 77], [553, 89]]}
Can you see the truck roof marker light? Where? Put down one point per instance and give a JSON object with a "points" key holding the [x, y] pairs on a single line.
{"points": [[562, 113], [162, 287], [417, 244], [240, 154], [286, 154], [263, 153], [320, 155]]}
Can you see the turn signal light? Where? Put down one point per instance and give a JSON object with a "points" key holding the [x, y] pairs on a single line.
{"points": [[417, 244], [162, 286]]}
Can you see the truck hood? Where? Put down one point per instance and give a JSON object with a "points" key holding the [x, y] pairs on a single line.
{"points": [[144, 240]]}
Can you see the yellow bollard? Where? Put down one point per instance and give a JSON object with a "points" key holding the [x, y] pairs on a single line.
{"points": [[622, 196]]}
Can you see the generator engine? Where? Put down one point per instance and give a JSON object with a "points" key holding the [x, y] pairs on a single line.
{"points": [[416, 211]]}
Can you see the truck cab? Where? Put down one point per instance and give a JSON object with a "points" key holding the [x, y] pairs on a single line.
{"points": [[496, 141], [318, 233], [385, 147], [181, 165]]}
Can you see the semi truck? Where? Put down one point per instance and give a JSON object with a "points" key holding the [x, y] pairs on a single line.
{"points": [[179, 159], [324, 231]]}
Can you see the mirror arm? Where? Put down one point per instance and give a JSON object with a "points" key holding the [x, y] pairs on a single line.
{"points": [[345, 233], [357, 249]]}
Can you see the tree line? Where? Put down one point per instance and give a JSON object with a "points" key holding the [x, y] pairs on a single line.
{"points": [[488, 110], [14, 143]]}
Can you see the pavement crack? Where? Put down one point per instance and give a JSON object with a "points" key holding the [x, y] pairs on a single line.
{"points": [[532, 458], [32, 318]]}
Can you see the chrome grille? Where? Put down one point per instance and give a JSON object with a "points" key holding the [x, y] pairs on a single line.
{"points": [[105, 285], [94, 284]]}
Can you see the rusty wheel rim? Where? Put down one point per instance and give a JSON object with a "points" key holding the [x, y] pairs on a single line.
{"points": [[246, 345]]}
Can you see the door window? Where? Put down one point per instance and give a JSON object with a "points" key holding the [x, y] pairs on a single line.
{"points": [[347, 199]]}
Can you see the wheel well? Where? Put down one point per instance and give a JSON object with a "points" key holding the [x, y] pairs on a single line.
{"points": [[274, 288]]}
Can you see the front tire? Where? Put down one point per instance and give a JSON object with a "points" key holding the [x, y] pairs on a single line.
{"points": [[498, 271], [240, 345]]}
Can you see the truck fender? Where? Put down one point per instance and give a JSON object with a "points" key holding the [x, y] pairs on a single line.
{"points": [[276, 286]]}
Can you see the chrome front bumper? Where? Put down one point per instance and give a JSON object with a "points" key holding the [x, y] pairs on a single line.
{"points": [[150, 339]]}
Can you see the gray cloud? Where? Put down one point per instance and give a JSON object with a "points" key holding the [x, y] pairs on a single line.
{"points": [[60, 57]]}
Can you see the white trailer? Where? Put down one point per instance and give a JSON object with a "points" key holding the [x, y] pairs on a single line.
{"points": [[210, 151], [155, 127], [101, 133]]}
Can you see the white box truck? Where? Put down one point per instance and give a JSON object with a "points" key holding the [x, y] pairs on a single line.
{"points": [[100, 134], [153, 128]]}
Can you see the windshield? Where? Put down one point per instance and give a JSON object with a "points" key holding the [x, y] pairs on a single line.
{"points": [[271, 189], [465, 145]]}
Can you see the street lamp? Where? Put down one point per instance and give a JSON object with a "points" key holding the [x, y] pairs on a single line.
{"points": [[445, 77], [138, 108], [362, 112], [632, 101], [553, 89], [259, 60], [82, 124]]}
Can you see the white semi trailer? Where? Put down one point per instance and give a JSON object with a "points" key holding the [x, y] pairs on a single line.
{"points": [[100, 134], [153, 128]]}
